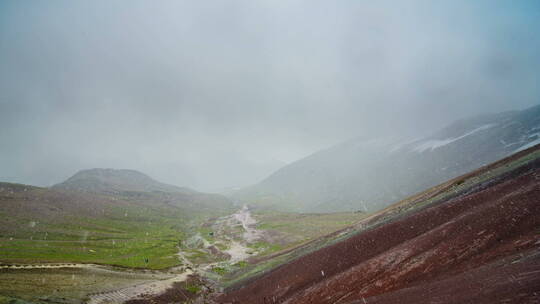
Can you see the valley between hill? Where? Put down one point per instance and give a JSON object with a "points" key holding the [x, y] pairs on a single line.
{"points": [[160, 247], [142, 246]]}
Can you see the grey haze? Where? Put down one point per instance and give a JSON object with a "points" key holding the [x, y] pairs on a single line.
{"points": [[219, 94]]}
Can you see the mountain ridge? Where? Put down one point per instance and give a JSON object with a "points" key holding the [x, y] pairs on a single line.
{"points": [[369, 175]]}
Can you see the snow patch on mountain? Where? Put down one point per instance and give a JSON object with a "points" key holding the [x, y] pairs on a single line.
{"points": [[530, 144], [437, 143]]}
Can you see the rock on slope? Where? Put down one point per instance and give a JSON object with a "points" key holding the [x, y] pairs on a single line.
{"points": [[474, 239], [371, 174]]}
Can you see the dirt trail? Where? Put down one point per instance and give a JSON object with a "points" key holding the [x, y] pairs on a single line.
{"points": [[156, 283], [50, 266], [137, 291]]}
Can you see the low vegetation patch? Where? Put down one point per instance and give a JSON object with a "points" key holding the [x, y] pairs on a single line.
{"points": [[219, 270]]}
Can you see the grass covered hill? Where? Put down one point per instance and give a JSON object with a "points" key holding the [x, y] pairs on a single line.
{"points": [[128, 228]]}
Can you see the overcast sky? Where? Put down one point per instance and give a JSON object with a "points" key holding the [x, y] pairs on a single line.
{"points": [[216, 94]]}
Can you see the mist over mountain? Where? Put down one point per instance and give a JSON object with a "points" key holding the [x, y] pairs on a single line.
{"points": [[137, 186], [219, 95], [115, 181], [370, 174]]}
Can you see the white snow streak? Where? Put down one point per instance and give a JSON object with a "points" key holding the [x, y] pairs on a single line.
{"points": [[531, 144], [437, 143]]}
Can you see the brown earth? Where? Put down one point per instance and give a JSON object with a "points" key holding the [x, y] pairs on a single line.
{"points": [[512, 280], [475, 246], [178, 293]]}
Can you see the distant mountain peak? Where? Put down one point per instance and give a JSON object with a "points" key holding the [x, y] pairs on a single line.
{"points": [[115, 181], [110, 172]]}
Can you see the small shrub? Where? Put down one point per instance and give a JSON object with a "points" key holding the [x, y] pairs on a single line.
{"points": [[241, 264], [219, 270], [193, 288]]}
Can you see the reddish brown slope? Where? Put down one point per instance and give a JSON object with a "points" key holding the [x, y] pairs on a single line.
{"points": [[511, 280], [450, 240]]}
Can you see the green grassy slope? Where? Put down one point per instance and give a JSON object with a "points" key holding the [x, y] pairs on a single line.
{"points": [[43, 225], [304, 226]]}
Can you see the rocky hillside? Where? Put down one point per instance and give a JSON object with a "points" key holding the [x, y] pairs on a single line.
{"points": [[473, 239], [371, 174]]}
